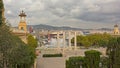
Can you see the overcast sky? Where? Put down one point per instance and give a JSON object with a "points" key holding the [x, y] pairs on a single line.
{"points": [[73, 13]]}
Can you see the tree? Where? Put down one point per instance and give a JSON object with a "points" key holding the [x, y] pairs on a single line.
{"points": [[75, 62], [32, 42], [97, 40], [13, 52], [1, 11], [113, 51], [86, 42], [92, 58], [82, 40], [104, 62]]}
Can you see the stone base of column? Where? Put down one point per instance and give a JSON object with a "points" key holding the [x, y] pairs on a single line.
{"points": [[70, 48], [75, 48], [59, 50], [63, 52]]}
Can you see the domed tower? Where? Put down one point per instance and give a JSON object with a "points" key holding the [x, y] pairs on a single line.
{"points": [[22, 25], [116, 30]]}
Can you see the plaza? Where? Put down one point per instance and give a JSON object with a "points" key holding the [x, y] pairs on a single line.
{"points": [[59, 62]]}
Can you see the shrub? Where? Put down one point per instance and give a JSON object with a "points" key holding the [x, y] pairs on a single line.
{"points": [[52, 55], [75, 62], [104, 62], [92, 58]]}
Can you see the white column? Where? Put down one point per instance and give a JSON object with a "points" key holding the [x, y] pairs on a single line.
{"points": [[63, 43], [58, 44], [64, 39], [75, 41], [69, 41]]}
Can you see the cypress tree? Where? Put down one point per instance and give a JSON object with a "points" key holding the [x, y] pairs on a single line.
{"points": [[1, 12], [113, 51]]}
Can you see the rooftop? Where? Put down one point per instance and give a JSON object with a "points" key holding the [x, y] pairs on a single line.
{"points": [[22, 14]]}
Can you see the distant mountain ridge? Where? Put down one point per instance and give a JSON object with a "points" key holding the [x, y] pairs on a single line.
{"points": [[49, 27]]}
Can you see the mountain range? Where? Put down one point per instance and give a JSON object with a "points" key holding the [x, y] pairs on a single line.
{"points": [[49, 27]]}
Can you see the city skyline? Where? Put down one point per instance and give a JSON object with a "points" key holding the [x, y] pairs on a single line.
{"points": [[72, 13]]}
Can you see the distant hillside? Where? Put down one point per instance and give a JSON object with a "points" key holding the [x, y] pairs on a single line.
{"points": [[107, 29], [48, 27]]}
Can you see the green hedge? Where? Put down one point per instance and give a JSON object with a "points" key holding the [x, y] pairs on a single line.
{"points": [[90, 60], [52, 55], [75, 62]]}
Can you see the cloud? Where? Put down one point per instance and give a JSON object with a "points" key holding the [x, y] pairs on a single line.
{"points": [[9, 12], [75, 13], [8, 1]]}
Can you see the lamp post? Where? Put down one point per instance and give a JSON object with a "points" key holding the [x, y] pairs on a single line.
{"points": [[80, 64], [100, 65]]}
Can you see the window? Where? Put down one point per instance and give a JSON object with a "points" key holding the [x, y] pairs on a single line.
{"points": [[22, 28]]}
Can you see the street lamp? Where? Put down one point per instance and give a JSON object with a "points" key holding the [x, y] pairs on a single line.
{"points": [[100, 65], [80, 64]]}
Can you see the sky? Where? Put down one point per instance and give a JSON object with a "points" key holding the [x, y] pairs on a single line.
{"points": [[72, 13]]}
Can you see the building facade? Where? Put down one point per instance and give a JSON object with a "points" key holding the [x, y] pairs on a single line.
{"points": [[21, 31]]}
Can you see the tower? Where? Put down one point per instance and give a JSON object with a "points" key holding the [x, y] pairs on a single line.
{"points": [[22, 25], [116, 30]]}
